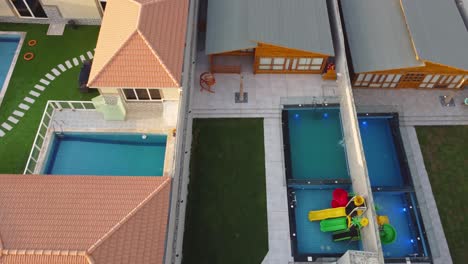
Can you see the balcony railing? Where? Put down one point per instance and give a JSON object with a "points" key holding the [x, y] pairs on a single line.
{"points": [[47, 122]]}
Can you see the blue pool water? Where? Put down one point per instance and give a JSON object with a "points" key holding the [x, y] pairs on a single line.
{"points": [[107, 154], [379, 147], [316, 152], [396, 207], [316, 143], [310, 240], [384, 169], [8, 45]]}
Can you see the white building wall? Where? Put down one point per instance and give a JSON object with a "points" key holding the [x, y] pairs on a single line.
{"points": [[354, 150], [5, 9]]}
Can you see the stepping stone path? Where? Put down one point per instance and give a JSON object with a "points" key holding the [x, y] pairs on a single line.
{"points": [[39, 87], [50, 76], [56, 72], [34, 93], [29, 100], [18, 113], [15, 118], [23, 106], [62, 68], [7, 126]]}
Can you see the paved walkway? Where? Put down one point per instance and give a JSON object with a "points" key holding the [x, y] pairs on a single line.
{"points": [[416, 107], [38, 88], [426, 201]]}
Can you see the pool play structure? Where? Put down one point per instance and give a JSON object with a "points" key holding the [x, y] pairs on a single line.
{"points": [[345, 218]]}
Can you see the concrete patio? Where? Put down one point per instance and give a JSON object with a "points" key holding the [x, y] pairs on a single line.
{"points": [[416, 107]]}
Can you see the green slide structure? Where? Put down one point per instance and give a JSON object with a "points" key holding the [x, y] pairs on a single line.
{"points": [[334, 224], [388, 234]]}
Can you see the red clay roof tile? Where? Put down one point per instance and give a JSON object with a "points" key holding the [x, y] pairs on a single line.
{"points": [[161, 24], [76, 212]]}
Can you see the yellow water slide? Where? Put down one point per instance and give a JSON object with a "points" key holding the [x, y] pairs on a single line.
{"points": [[327, 213]]}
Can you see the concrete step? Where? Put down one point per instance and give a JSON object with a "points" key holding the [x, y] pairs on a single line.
{"points": [[250, 112], [235, 115], [436, 123], [434, 120]]}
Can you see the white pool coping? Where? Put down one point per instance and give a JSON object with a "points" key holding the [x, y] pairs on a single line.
{"points": [[13, 62]]}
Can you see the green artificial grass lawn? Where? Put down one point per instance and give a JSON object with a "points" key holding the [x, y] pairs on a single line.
{"points": [[445, 152], [226, 220], [49, 52]]}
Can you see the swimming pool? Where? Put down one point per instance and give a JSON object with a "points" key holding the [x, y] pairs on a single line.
{"points": [[315, 141], [392, 186], [8, 47], [106, 154], [316, 165]]}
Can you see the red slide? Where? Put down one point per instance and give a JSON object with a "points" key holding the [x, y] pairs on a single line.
{"points": [[340, 198]]}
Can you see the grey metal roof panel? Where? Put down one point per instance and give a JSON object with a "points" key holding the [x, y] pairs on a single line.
{"points": [[227, 26], [377, 35], [297, 24], [438, 31]]}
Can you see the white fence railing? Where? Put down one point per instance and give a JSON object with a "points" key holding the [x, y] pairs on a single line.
{"points": [[45, 123]]}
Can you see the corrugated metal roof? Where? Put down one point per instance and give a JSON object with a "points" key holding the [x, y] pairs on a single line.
{"points": [[298, 24], [226, 28], [438, 31], [377, 35]]}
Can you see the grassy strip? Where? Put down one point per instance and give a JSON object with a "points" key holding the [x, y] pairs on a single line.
{"points": [[226, 218], [445, 151]]}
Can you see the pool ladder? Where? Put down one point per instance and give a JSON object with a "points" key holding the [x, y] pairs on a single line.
{"points": [[60, 124]]}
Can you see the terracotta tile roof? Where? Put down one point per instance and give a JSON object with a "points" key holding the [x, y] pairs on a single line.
{"points": [[141, 44], [69, 215], [43, 259]]}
